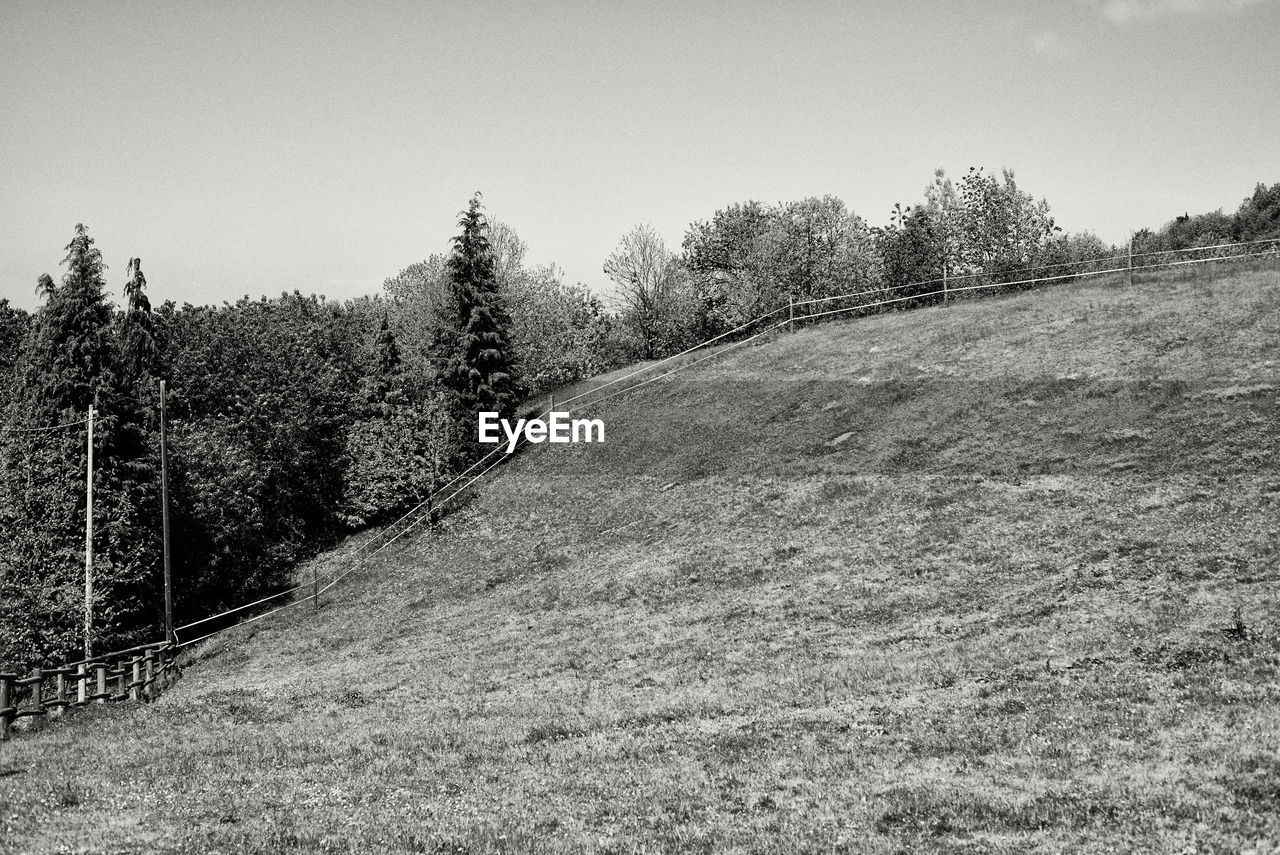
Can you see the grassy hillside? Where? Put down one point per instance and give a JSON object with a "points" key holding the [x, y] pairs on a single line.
{"points": [[996, 577]]}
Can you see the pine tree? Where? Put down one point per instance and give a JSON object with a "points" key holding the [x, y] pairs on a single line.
{"points": [[478, 361], [70, 351], [71, 361], [137, 338]]}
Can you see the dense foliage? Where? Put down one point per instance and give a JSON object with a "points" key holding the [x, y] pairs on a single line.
{"points": [[559, 333], [1257, 218], [14, 324], [72, 360], [292, 421], [750, 259]]}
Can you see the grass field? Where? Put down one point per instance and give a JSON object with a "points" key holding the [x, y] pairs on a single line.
{"points": [[995, 577]]}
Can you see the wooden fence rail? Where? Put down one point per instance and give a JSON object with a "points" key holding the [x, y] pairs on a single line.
{"points": [[137, 674]]}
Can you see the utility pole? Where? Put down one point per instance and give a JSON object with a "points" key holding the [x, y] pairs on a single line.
{"points": [[88, 544], [164, 516]]}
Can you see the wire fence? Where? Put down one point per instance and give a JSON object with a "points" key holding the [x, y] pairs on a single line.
{"points": [[442, 498], [939, 289], [139, 673]]}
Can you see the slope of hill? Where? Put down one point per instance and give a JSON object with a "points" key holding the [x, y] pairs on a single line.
{"points": [[995, 577]]}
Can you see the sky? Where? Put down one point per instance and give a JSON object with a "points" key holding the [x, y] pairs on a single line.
{"points": [[261, 147]]}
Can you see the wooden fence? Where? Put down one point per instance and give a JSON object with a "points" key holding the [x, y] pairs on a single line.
{"points": [[136, 674]]}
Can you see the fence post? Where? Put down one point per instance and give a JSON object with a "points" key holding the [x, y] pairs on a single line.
{"points": [[37, 698], [161, 672], [135, 692], [5, 715], [82, 683], [1131, 261], [121, 679], [60, 690], [101, 668], [148, 668], [791, 312]]}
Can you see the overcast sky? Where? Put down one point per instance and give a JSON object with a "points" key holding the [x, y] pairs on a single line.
{"points": [[268, 146]]}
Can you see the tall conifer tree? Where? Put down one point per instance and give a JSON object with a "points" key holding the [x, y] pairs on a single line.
{"points": [[477, 359], [71, 361], [137, 338]]}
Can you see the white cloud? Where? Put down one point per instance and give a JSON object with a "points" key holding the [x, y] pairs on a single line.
{"points": [[1125, 11], [1049, 43]]}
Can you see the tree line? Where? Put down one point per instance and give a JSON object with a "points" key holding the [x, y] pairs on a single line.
{"points": [[1257, 218], [292, 422], [751, 258], [295, 421]]}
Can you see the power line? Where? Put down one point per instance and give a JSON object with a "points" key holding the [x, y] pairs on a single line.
{"points": [[44, 429]]}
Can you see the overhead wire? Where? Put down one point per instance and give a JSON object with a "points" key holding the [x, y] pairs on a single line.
{"points": [[44, 429], [235, 609]]}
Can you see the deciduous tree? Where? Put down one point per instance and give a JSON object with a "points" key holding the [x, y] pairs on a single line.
{"points": [[654, 294]]}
